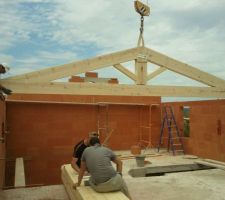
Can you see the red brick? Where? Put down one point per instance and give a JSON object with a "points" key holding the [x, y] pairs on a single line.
{"points": [[113, 81], [76, 79], [91, 74]]}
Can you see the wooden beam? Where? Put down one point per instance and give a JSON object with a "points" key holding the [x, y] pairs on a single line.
{"points": [[125, 71], [182, 68], [141, 71], [155, 73], [74, 68], [113, 89], [19, 173]]}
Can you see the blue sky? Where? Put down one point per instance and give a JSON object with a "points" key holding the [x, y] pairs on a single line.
{"points": [[36, 34]]}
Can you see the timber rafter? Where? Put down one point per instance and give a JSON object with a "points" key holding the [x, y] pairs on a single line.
{"points": [[74, 68]]}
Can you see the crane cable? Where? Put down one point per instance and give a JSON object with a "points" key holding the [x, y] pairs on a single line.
{"points": [[141, 38]]}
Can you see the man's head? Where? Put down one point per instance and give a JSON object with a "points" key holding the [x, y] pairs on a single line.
{"points": [[94, 140], [93, 134]]}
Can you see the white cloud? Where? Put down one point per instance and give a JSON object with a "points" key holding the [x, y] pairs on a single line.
{"points": [[7, 58], [39, 61], [14, 27], [98, 22], [190, 31]]}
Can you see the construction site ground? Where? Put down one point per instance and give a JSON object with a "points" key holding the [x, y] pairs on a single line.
{"points": [[192, 185]]}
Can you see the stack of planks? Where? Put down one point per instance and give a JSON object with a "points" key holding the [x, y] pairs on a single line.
{"points": [[69, 178]]}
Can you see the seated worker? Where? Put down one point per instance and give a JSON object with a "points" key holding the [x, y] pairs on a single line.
{"points": [[78, 151], [96, 159]]}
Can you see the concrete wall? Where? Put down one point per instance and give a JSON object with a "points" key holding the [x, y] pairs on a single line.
{"points": [[207, 128], [44, 133], [2, 144]]}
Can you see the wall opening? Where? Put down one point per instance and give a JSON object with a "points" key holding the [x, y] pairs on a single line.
{"points": [[2, 136], [162, 170], [186, 120]]}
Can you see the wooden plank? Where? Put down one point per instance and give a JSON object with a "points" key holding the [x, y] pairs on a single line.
{"points": [[69, 187], [87, 194], [19, 173], [70, 177], [182, 68], [74, 68], [113, 89], [125, 71]]}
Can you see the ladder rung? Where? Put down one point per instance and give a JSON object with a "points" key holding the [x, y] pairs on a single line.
{"points": [[179, 150], [175, 138]]}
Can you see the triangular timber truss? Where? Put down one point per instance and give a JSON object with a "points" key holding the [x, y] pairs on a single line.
{"points": [[42, 81]]}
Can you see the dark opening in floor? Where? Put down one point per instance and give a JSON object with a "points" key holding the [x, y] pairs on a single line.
{"points": [[162, 170]]}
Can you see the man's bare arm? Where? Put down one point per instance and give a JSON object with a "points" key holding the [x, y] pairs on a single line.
{"points": [[74, 164], [83, 168], [119, 165]]}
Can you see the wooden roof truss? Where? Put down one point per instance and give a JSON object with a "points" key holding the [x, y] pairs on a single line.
{"points": [[43, 81]]}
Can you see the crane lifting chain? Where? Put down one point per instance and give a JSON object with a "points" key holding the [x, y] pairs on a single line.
{"points": [[143, 10], [141, 38], [142, 25]]}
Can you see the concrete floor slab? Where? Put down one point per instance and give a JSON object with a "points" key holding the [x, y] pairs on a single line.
{"points": [[53, 192], [193, 185]]}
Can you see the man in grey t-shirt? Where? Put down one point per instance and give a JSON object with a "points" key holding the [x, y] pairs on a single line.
{"points": [[96, 159]]}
